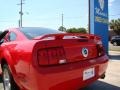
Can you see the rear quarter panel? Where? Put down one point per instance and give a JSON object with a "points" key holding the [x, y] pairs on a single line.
{"points": [[18, 55]]}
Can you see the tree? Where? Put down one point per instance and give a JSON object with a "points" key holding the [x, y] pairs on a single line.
{"points": [[76, 30], [115, 26], [0, 32], [61, 28]]}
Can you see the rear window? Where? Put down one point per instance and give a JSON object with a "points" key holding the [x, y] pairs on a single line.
{"points": [[35, 32]]}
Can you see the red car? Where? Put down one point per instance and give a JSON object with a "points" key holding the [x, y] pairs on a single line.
{"points": [[45, 59]]}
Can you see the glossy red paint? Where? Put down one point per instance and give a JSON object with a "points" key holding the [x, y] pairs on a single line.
{"points": [[63, 66]]}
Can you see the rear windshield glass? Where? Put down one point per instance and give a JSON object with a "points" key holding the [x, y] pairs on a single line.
{"points": [[34, 32]]}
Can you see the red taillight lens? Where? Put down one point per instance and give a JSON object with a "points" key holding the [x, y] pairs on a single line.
{"points": [[50, 56], [100, 50], [42, 57]]}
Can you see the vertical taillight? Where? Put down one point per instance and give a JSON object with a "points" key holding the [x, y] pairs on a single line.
{"points": [[42, 57], [50, 56], [100, 49]]}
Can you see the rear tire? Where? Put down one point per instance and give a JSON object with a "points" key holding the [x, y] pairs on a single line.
{"points": [[8, 81]]}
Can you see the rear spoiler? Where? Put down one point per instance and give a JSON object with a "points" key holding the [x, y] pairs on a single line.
{"points": [[62, 35]]}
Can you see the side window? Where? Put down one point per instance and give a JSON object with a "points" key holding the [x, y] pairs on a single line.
{"points": [[12, 36]]}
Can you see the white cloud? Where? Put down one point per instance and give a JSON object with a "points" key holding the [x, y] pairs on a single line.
{"points": [[111, 2]]}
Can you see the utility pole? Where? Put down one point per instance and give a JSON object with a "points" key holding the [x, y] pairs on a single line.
{"points": [[19, 23], [21, 12], [89, 16], [62, 21]]}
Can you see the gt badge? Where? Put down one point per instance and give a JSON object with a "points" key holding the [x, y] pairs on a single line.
{"points": [[85, 52]]}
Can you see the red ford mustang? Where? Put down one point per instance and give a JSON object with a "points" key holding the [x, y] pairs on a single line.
{"points": [[45, 59]]}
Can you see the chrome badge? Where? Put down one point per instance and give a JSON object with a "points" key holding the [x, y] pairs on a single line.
{"points": [[85, 52]]}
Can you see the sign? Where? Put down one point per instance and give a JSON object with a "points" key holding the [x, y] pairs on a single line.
{"points": [[99, 20]]}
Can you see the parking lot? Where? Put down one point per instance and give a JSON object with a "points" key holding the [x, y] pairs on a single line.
{"points": [[112, 80]]}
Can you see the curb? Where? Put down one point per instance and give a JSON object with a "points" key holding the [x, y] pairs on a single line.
{"points": [[114, 52]]}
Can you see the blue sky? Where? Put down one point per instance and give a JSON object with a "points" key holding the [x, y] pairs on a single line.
{"points": [[47, 13]]}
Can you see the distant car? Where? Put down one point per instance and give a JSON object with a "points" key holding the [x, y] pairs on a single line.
{"points": [[115, 40], [45, 59]]}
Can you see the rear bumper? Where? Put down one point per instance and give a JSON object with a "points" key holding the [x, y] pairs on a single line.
{"points": [[67, 77]]}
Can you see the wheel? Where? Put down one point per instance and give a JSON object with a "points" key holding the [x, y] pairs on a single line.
{"points": [[8, 81], [115, 43]]}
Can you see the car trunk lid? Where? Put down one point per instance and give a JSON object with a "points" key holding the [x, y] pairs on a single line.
{"points": [[66, 48]]}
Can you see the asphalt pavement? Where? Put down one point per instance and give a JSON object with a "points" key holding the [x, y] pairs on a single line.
{"points": [[112, 80]]}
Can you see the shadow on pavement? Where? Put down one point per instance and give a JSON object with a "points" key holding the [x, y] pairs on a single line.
{"points": [[0, 78], [114, 57], [99, 85]]}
